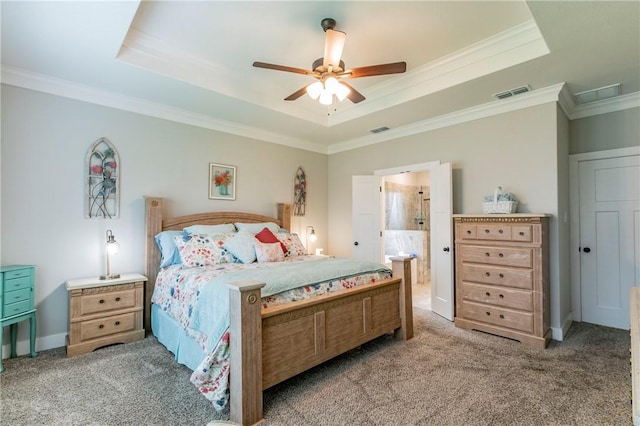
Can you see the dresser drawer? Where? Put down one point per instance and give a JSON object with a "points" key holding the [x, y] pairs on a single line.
{"points": [[498, 296], [519, 257], [17, 296], [9, 309], [521, 321], [17, 283], [487, 274], [105, 326], [496, 232], [107, 301], [17, 273]]}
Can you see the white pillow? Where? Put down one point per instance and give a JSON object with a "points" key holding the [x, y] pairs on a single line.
{"points": [[242, 246], [210, 229], [254, 228], [269, 252]]}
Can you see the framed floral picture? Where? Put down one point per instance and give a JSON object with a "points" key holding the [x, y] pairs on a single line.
{"points": [[222, 182]]}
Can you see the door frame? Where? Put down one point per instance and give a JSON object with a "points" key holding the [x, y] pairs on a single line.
{"points": [[574, 223]]}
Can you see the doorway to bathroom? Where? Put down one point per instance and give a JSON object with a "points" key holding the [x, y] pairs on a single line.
{"points": [[407, 206]]}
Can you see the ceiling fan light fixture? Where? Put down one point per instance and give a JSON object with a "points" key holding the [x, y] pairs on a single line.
{"points": [[334, 43], [326, 97], [314, 90], [342, 92]]}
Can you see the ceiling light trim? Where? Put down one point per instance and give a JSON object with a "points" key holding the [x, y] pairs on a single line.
{"points": [[516, 45], [54, 86]]}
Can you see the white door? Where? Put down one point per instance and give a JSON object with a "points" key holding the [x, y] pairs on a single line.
{"points": [[442, 291], [367, 218], [609, 238]]}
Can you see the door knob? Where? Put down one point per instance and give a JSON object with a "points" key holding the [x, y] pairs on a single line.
{"points": [[586, 250], [446, 249], [355, 244]]}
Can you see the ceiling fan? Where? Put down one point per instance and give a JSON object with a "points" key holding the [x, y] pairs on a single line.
{"points": [[330, 70]]}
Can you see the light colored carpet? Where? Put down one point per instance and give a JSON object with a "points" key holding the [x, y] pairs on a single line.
{"points": [[443, 376]]}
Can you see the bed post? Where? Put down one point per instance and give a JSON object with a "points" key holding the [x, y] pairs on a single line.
{"points": [[245, 347], [284, 214], [401, 268], [152, 226]]}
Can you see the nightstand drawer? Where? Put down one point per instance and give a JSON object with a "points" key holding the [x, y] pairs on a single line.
{"points": [[10, 309], [18, 283], [107, 301], [106, 326]]}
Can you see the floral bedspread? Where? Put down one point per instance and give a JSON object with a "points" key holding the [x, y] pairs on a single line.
{"points": [[183, 292]]}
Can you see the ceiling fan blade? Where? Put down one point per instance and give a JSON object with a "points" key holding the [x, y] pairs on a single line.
{"points": [[295, 95], [282, 68], [354, 96], [333, 45], [372, 70]]}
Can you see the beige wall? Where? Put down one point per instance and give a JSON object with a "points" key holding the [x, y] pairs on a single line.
{"points": [[45, 140], [620, 129], [517, 150]]}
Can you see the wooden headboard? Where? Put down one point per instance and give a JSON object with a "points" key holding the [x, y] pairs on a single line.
{"points": [[155, 223]]}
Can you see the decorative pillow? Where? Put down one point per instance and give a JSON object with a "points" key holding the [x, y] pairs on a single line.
{"points": [[242, 246], [269, 252], [254, 228], [293, 243], [266, 236], [202, 250], [168, 249], [210, 229]]}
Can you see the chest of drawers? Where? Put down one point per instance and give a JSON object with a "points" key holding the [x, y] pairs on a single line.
{"points": [[104, 312], [17, 288], [502, 275]]}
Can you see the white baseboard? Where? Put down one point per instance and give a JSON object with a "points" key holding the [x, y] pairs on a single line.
{"points": [[42, 344], [558, 333]]}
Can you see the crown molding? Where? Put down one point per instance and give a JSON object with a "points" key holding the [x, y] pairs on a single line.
{"points": [[54, 86]]}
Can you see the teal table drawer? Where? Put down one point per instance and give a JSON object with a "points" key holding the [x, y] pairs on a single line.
{"points": [[17, 283], [11, 309], [17, 273], [17, 296]]}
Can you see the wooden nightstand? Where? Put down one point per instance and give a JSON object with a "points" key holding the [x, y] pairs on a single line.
{"points": [[17, 287], [104, 312]]}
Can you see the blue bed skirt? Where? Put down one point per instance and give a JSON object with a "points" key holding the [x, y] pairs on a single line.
{"points": [[169, 332]]}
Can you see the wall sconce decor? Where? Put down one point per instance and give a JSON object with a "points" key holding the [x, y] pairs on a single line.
{"points": [[311, 236], [112, 248]]}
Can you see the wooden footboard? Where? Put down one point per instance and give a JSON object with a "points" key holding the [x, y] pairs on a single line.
{"points": [[297, 336]]}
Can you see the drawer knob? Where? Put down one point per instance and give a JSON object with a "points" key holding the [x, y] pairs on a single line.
{"points": [[500, 255], [101, 326], [468, 231], [487, 274], [521, 233], [117, 299], [488, 294], [486, 231], [501, 316], [488, 313], [117, 322], [501, 275], [486, 254], [101, 301], [501, 296], [500, 231]]}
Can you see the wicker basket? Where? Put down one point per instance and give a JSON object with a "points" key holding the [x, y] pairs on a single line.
{"points": [[499, 207]]}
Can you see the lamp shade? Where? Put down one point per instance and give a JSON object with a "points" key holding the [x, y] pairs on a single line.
{"points": [[314, 90], [333, 45], [326, 97]]}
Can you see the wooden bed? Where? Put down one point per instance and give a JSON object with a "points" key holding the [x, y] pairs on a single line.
{"points": [[273, 344]]}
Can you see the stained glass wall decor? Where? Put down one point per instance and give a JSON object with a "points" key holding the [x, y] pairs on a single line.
{"points": [[102, 181]]}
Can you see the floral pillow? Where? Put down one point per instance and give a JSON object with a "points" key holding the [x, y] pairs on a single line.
{"points": [[266, 236], [242, 246], [202, 250], [293, 244], [269, 252]]}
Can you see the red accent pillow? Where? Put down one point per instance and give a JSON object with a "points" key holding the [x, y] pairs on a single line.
{"points": [[266, 236]]}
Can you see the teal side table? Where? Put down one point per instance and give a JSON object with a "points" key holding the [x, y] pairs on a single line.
{"points": [[17, 288]]}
